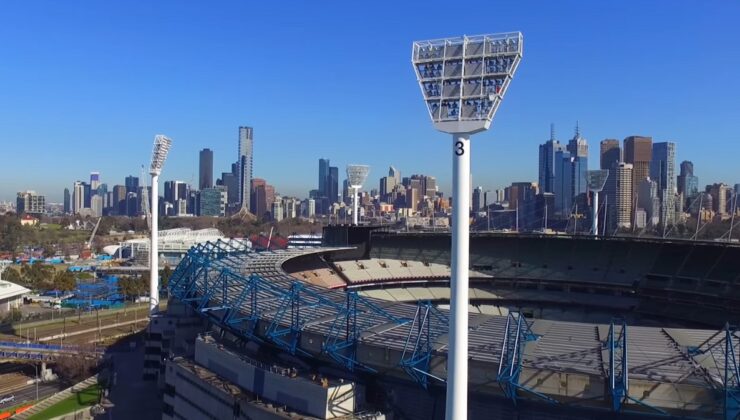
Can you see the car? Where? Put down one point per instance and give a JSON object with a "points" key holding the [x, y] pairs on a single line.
{"points": [[7, 399]]}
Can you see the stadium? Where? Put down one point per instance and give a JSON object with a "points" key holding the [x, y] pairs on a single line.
{"points": [[560, 327]]}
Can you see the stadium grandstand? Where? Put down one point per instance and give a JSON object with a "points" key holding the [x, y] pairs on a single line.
{"points": [[654, 335]]}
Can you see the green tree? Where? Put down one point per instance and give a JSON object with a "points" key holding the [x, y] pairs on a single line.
{"points": [[38, 275], [11, 274], [165, 276], [64, 281]]}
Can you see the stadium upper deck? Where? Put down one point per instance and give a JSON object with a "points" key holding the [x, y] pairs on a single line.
{"points": [[668, 370]]}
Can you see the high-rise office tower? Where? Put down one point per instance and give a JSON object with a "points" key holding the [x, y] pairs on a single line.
{"points": [[395, 174], [119, 200], [67, 201], [323, 173], [648, 200], [132, 184], [578, 148], [610, 153], [547, 163], [94, 181], [245, 166], [663, 172], [562, 183], [332, 186], [212, 202], [623, 185], [687, 182], [263, 195], [638, 151], [205, 173], [78, 197], [477, 195], [720, 197]]}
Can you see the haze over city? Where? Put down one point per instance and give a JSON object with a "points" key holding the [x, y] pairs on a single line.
{"points": [[84, 87]]}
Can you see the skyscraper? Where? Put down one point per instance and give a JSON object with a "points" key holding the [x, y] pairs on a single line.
{"points": [[623, 188], [94, 180], [610, 154], [688, 183], [394, 173], [132, 184], [205, 174], [332, 186], [638, 151], [562, 183], [119, 200], [578, 148], [67, 201], [477, 196], [663, 172], [78, 197], [323, 173], [547, 163], [245, 166]]}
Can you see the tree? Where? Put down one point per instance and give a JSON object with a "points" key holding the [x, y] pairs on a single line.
{"points": [[38, 275], [64, 281], [165, 276], [10, 274]]}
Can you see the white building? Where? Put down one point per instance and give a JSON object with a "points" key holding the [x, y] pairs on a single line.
{"points": [[11, 294]]}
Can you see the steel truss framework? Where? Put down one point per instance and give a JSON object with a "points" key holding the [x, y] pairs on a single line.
{"points": [[516, 334], [421, 343], [723, 349], [205, 278], [211, 280]]}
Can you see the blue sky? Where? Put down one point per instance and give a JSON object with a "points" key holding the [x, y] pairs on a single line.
{"points": [[85, 86]]}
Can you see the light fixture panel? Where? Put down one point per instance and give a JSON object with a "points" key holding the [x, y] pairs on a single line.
{"points": [[464, 79]]}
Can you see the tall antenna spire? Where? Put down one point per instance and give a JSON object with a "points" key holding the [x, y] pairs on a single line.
{"points": [[578, 130], [552, 131]]}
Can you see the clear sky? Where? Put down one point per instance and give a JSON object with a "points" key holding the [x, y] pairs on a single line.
{"points": [[85, 86]]}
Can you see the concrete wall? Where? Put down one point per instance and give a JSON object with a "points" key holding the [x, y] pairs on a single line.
{"points": [[299, 394]]}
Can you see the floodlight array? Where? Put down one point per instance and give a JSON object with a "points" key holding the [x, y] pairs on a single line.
{"points": [[161, 147], [597, 179], [464, 79], [357, 174]]}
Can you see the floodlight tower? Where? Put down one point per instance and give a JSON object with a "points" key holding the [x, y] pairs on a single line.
{"points": [[596, 181], [463, 81], [159, 154], [356, 176]]}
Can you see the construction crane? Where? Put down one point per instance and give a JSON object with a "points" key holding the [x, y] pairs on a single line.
{"points": [[87, 252]]}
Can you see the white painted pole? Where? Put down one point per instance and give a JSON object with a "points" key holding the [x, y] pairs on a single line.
{"points": [[457, 357], [355, 216], [595, 218], [153, 250]]}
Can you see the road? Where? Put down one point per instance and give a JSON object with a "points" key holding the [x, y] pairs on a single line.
{"points": [[28, 393]]}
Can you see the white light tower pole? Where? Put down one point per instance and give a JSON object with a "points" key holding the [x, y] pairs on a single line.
{"points": [[463, 81], [159, 154], [596, 181], [356, 176]]}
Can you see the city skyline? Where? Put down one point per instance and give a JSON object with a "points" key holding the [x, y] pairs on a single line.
{"points": [[604, 90]]}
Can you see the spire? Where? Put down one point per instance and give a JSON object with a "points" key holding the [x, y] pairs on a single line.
{"points": [[578, 130], [552, 131]]}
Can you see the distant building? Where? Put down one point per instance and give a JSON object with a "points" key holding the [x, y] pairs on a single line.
{"points": [[638, 151], [118, 200], [246, 156], [332, 186], [476, 203], [648, 200], [622, 216], [205, 172], [547, 162], [720, 198], [687, 182], [610, 153], [663, 172], [277, 209], [132, 184], [96, 205], [212, 202], [67, 201], [78, 197]]}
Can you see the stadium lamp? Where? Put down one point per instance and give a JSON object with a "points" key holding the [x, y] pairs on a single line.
{"points": [[596, 181], [356, 176], [159, 155], [463, 81]]}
